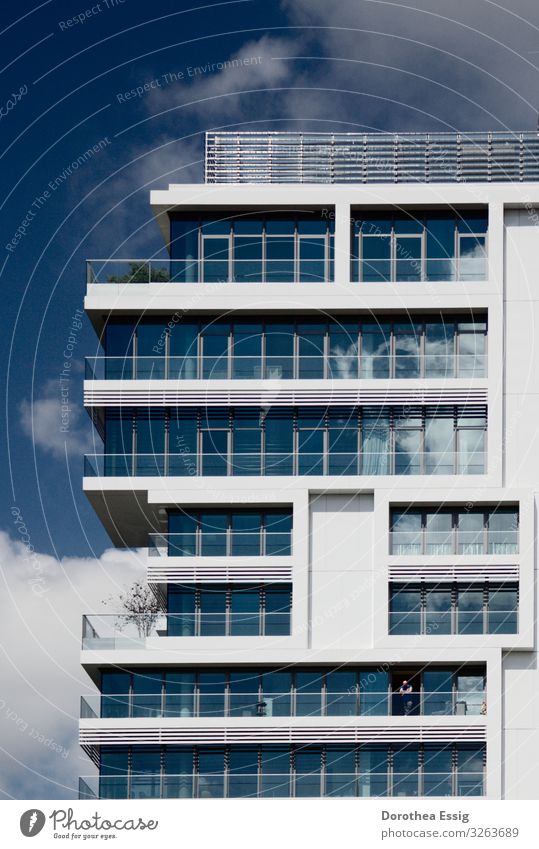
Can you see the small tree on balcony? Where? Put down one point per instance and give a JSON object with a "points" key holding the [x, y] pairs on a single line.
{"points": [[141, 272], [139, 607]]}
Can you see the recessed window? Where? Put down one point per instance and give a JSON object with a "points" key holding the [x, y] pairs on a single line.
{"points": [[436, 531], [416, 247], [437, 609]]}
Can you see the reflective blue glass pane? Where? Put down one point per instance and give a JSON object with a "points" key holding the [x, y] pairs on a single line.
{"points": [[214, 452], [179, 694], [404, 610], [438, 610], [375, 455], [213, 612], [439, 349], [407, 349], [373, 692], [211, 699], [408, 258], [470, 611], [376, 259]]}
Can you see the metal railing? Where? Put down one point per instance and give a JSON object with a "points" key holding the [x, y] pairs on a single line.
{"points": [[218, 785], [457, 622], [426, 270], [220, 544], [211, 270], [199, 704], [132, 631], [311, 367], [454, 541], [296, 157], [187, 464]]}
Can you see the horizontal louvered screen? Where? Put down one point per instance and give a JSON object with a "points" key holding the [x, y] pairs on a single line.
{"points": [[295, 157], [103, 396], [171, 573], [200, 735], [454, 572]]}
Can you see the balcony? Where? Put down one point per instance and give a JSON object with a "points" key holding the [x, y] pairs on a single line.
{"points": [[139, 631], [221, 270], [304, 367], [263, 784], [201, 705], [284, 464]]}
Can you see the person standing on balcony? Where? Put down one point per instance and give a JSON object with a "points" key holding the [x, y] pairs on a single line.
{"points": [[406, 691]]}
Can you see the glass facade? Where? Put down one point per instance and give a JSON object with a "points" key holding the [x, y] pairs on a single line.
{"points": [[238, 610], [291, 691], [423, 246], [253, 247], [239, 532], [445, 608], [294, 441], [442, 769], [215, 348], [440, 530]]}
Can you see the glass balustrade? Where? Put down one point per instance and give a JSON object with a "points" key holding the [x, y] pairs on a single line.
{"points": [[211, 269], [135, 631], [212, 785], [225, 544], [453, 541], [201, 704], [283, 367], [271, 463]]}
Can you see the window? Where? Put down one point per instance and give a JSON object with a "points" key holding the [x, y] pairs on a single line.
{"points": [[297, 441], [216, 348], [301, 691], [237, 610], [232, 533], [434, 609], [252, 248], [415, 247], [476, 531], [440, 769]]}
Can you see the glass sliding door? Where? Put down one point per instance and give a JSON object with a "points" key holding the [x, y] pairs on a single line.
{"points": [[308, 772], [247, 351], [183, 350], [248, 251], [150, 440], [215, 339]]}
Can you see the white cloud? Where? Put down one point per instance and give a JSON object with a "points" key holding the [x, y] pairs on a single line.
{"points": [[56, 422], [41, 607]]}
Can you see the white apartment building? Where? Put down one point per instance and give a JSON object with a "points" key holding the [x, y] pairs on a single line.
{"points": [[319, 418]]}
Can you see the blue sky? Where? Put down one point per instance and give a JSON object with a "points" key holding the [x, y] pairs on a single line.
{"points": [[351, 65]]}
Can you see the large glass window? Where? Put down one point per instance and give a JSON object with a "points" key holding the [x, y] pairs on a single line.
{"points": [[217, 348], [252, 247], [298, 691], [235, 533], [440, 769], [288, 441], [414, 247], [478, 530], [479, 608], [213, 610]]}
